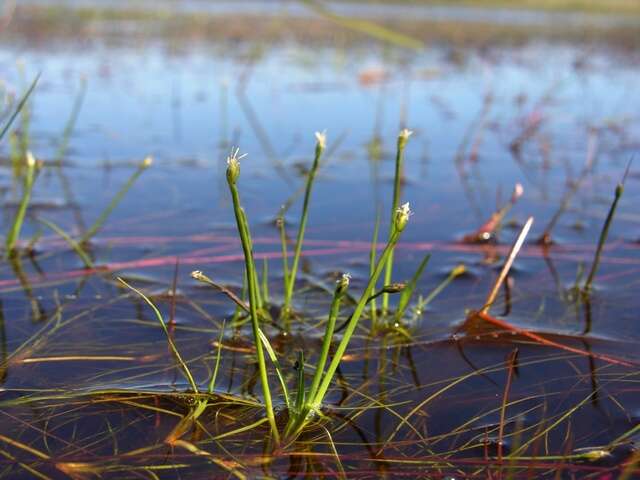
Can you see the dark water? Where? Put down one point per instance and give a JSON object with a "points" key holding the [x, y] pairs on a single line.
{"points": [[87, 380]]}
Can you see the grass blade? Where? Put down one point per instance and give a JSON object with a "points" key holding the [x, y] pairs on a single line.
{"points": [[146, 163], [29, 180], [172, 345], [19, 107]]}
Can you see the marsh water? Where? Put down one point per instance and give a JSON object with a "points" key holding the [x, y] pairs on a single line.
{"points": [[89, 386]]}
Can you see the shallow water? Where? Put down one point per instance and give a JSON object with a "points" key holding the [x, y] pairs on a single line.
{"points": [[87, 376]]}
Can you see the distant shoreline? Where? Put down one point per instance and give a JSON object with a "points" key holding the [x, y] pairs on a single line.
{"points": [[42, 22]]}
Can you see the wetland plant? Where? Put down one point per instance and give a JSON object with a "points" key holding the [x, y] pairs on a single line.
{"points": [[307, 403]]}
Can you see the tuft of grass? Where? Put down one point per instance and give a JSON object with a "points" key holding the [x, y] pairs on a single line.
{"points": [[300, 420]]}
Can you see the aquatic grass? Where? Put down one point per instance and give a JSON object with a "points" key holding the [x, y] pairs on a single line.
{"points": [[307, 403], [75, 246], [407, 292], [232, 175], [604, 233], [71, 123], [321, 141], [403, 138], [340, 291], [184, 367], [27, 187], [99, 222], [299, 421], [455, 272], [373, 309], [19, 107]]}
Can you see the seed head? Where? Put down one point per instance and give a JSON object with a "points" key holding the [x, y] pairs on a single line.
{"points": [[233, 165], [343, 283], [458, 270], [402, 216], [403, 137], [321, 140], [197, 274]]}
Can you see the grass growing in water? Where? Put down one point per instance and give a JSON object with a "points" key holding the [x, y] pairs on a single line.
{"points": [[27, 187], [307, 402]]}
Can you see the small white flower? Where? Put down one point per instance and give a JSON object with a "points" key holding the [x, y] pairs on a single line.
{"points": [[321, 139], [404, 210], [403, 213], [405, 133], [233, 158], [233, 165]]}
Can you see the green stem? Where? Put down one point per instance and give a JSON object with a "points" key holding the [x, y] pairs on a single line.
{"points": [[19, 107], [315, 397], [340, 291], [114, 202], [172, 345], [244, 233], [403, 137], [285, 255], [72, 243], [603, 237], [14, 233], [373, 308], [303, 224], [353, 322]]}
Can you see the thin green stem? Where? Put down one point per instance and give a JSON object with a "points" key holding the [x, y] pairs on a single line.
{"points": [[298, 423], [285, 254], [233, 171], [172, 345], [265, 281], [407, 293], [320, 145], [19, 107], [71, 123], [373, 308], [72, 243], [353, 322], [14, 233], [214, 375], [146, 163], [258, 293], [453, 274], [603, 236], [403, 137], [341, 289]]}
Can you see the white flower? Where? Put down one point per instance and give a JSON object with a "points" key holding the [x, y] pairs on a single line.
{"points": [[403, 213], [233, 165], [405, 133], [321, 139]]}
